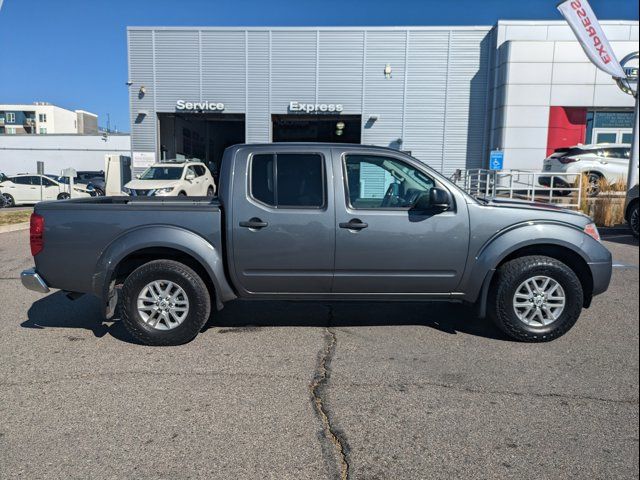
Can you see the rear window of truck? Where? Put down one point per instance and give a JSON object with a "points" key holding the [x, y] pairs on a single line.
{"points": [[288, 180]]}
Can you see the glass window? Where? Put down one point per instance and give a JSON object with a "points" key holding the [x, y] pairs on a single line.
{"points": [[11, 117], [288, 180], [200, 170], [46, 182], [43, 130], [42, 117], [24, 181], [627, 137], [162, 173], [606, 138], [381, 182]]}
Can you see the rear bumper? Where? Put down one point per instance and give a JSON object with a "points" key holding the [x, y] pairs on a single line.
{"points": [[32, 281]]}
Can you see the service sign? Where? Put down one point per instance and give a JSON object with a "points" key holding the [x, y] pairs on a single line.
{"points": [[199, 106], [300, 107]]}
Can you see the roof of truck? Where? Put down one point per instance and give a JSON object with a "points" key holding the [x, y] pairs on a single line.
{"points": [[315, 144]]}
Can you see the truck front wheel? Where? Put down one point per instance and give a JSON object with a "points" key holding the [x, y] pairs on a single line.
{"points": [[535, 298], [165, 303]]}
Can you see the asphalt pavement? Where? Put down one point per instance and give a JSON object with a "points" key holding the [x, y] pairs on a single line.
{"points": [[277, 390]]}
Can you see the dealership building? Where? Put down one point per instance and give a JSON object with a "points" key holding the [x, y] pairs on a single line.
{"points": [[447, 95]]}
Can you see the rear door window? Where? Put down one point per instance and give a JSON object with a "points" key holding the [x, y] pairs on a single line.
{"points": [[288, 180]]}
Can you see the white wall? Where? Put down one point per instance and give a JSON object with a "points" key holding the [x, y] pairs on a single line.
{"points": [[19, 153], [541, 65]]}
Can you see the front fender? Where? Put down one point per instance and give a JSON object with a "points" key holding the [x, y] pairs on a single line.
{"points": [[162, 236], [526, 234]]}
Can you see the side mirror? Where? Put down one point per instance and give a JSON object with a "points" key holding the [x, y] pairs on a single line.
{"points": [[435, 199], [190, 177], [138, 176]]}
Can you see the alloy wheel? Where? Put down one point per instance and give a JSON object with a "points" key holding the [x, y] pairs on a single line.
{"points": [[163, 305], [539, 301]]}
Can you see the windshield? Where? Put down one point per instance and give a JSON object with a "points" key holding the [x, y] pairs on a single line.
{"points": [[162, 173]]}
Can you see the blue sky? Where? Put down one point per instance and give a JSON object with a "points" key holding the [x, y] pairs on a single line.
{"points": [[73, 52]]}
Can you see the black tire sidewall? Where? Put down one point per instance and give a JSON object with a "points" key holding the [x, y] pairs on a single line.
{"points": [[10, 202], [634, 211], [193, 286], [522, 269]]}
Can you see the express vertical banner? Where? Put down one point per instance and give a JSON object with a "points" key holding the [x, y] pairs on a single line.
{"points": [[588, 31]]}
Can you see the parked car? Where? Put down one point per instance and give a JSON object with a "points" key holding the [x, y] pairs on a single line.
{"points": [[29, 189], [171, 179], [631, 210], [320, 221], [598, 161], [94, 178]]}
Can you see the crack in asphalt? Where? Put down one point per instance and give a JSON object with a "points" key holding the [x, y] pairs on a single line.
{"points": [[317, 387]]}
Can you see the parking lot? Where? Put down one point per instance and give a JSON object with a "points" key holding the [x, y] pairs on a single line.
{"points": [[285, 390]]}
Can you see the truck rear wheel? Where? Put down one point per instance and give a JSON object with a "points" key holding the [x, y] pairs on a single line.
{"points": [[165, 303], [535, 298]]}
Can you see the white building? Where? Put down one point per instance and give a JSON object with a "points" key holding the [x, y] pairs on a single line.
{"points": [[44, 118], [20, 153]]}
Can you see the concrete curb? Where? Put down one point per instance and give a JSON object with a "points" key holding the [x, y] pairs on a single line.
{"points": [[15, 227]]}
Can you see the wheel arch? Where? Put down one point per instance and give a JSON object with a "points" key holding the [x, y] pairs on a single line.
{"points": [[564, 243], [146, 244]]}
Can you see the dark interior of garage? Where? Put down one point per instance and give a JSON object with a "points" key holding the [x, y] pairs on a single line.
{"points": [[316, 128], [202, 136]]}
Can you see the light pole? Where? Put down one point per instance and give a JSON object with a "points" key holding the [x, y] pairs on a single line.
{"points": [[632, 176]]}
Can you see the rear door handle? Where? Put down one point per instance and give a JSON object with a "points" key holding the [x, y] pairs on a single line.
{"points": [[254, 223], [354, 224]]}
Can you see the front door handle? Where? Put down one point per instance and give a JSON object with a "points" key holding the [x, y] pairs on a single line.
{"points": [[354, 224], [254, 223]]}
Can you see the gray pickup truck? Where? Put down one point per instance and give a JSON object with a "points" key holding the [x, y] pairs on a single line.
{"points": [[320, 222]]}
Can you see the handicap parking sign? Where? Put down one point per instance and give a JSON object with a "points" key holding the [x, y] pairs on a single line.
{"points": [[496, 160]]}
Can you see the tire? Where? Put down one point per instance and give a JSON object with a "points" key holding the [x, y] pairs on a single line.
{"points": [[64, 196], [7, 201], [193, 289], [633, 219], [512, 275], [210, 191], [99, 192], [593, 187]]}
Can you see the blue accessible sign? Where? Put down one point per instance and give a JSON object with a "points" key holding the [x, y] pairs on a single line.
{"points": [[496, 160]]}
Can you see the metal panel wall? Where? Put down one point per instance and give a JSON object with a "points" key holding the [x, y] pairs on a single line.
{"points": [[143, 127], [384, 97], [177, 67], [293, 68], [426, 95], [340, 61], [223, 69], [434, 103], [467, 93], [258, 116]]}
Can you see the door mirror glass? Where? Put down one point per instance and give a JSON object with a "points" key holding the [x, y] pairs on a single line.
{"points": [[190, 176]]}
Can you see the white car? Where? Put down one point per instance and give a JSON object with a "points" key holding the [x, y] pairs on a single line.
{"points": [[29, 189], [172, 179], [609, 161]]}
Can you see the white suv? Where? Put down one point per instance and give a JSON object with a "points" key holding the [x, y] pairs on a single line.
{"points": [[173, 179], [29, 189], [609, 161]]}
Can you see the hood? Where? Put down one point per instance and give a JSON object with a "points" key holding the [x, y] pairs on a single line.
{"points": [[150, 184], [548, 208]]}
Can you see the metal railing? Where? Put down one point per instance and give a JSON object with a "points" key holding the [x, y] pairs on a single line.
{"points": [[561, 189]]}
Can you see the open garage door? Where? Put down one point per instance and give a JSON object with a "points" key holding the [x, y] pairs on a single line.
{"points": [[202, 136], [316, 128]]}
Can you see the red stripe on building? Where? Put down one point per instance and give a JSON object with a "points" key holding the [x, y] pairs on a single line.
{"points": [[567, 127]]}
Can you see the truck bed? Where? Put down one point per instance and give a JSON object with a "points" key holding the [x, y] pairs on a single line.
{"points": [[77, 232]]}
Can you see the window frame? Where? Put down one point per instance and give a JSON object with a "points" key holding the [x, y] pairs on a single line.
{"points": [[274, 154], [412, 164], [10, 117], [42, 118]]}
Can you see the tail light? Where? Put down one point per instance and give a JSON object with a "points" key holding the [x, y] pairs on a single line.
{"points": [[592, 231], [565, 160], [37, 234]]}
